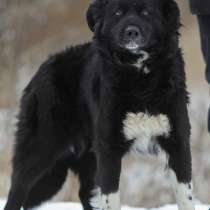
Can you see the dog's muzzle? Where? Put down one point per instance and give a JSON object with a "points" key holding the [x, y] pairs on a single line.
{"points": [[133, 38]]}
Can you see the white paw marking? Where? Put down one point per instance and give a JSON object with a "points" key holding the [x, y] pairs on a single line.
{"points": [[96, 199], [99, 201], [183, 193], [143, 128], [111, 201]]}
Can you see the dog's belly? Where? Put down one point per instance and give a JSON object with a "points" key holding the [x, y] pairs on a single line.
{"points": [[143, 128]]}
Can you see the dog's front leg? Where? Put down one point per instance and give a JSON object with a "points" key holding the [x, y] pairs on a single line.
{"points": [[109, 151], [179, 156], [108, 177]]}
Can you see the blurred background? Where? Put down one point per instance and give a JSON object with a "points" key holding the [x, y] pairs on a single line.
{"points": [[30, 31]]}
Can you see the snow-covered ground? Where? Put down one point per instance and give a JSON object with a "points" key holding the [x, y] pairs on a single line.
{"points": [[76, 206]]}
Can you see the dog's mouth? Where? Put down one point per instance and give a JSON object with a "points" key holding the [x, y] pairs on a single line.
{"points": [[133, 48]]}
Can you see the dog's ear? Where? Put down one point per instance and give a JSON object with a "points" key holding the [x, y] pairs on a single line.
{"points": [[94, 13], [171, 14]]}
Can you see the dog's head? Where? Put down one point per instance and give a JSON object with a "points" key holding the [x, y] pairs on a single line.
{"points": [[134, 26]]}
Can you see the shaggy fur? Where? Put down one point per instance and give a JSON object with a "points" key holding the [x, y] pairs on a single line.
{"points": [[74, 110]]}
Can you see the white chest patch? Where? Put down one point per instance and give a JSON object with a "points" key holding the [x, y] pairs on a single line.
{"points": [[143, 128]]}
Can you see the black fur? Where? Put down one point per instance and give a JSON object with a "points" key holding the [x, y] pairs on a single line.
{"points": [[72, 110]]}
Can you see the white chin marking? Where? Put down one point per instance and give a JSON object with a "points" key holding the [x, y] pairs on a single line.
{"points": [[183, 193], [145, 55], [143, 128], [140, 62]]}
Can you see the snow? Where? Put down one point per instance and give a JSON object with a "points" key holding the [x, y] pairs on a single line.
{"points": [[76, 206]]}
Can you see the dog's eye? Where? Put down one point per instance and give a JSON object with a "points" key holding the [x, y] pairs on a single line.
{"points": [[145, 13], [118, 13]]}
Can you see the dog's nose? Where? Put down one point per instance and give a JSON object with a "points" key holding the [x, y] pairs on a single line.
{"points": [[132, 33]]}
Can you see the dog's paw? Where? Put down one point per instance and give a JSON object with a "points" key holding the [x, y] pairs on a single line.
{"points": [[111, 201]]}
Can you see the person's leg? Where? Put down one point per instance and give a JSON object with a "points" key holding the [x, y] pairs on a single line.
{"points": [[204, 25]]}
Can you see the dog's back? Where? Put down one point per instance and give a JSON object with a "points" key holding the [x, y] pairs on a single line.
{"points": [[52, 107]]}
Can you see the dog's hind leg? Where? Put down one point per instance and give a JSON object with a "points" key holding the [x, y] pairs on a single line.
{"points": [[26, 173], [47, 186], [15, 199], [19, 189]]}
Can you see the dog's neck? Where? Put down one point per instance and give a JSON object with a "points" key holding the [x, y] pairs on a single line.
{"points": [[139, 61]]}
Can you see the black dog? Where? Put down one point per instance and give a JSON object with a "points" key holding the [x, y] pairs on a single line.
{"points": [[91, 104]]}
